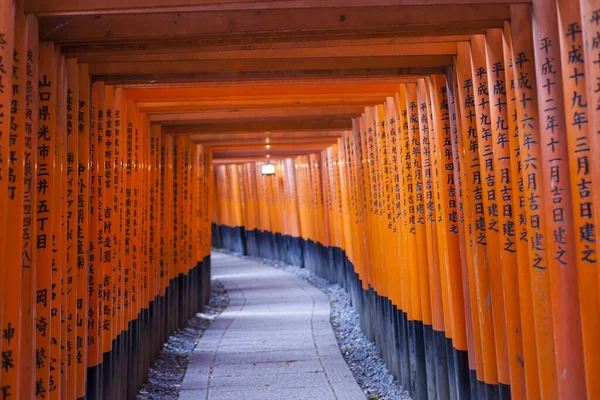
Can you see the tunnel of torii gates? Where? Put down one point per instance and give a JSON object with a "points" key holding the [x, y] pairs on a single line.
{"points": [[436, 158]]}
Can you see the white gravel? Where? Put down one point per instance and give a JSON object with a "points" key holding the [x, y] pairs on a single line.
{"points": [[362, 356], [169, 368]]}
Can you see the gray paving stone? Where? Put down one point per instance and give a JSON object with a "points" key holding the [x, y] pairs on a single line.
{"points": [[245, 382], [274, 368], [324, 393], [344, 392], [337, 370], [194, 382], [193, 394], [274, 341], [264, 356]]}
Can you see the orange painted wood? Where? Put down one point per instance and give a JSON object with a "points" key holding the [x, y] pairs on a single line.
{"points": [[162, 219], [70, 285], [503, 187], [520, 220], [120, 135], [448, 230], [7, 15], [82, 126], [462, 199], [295, 65], [590, 28], [590, 10], [94, 341], [414, 310], [438, 280], [428, 273], [367, 200], [260, 45], [107, 222], [112, 6], [255, 92], [45, 213], [13, 182], [58, 330], [276, 126], [489, 217], [529, 143], [172, 53], [104, 268], [478, 285], [436, 252], [131, 224], [155, 230], [144, 160], [467, 200], [579, 112], [557, 209], [27, 373], [449, 19], [410, 229]]}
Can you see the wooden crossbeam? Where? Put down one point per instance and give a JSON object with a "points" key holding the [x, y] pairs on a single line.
{"points": [[261, 151], [236, 92], [271, 126], [218, 116], [272, 136], [272, 64], [195, 106], [212, 78], [291, 139], [413, 18], [71, 7], [248, 43], [335, 51], [133, 83]]}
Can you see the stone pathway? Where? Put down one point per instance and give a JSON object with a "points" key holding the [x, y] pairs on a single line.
{"points": [[273, 342]]}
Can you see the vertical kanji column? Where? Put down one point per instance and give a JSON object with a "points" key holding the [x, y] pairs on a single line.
{"points": [[557, 209], [45, 214], [72, 161], [485, 357], [27, 373], [12, 155], [83, 129], [579, 112], [531, 168], [7, 32]]}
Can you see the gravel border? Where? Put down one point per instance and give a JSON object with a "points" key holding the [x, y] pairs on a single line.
{"points": [[168, 371], [360, 354]]}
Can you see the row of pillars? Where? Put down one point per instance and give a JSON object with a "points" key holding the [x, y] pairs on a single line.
{"points": [[461, 214], [104, 227]]}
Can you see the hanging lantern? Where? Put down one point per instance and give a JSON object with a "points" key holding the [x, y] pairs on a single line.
{"points": [[268, 168]]}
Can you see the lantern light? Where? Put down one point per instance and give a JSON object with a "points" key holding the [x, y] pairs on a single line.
{"points": [[268, 168]]}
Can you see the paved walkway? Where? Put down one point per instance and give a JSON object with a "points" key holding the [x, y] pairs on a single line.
{"points": [[273, 342]]}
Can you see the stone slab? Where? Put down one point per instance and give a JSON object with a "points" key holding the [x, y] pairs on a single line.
{"points": [[274, 341]]}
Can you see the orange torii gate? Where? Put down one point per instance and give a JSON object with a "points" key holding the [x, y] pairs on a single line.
{"points": [[87, 286], [440, 168], [494, 235]]}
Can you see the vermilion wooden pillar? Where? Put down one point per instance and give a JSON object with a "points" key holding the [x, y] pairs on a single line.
{"points": [[557, 209], [12, 135], [578, 116], [27, 374], [531, 168]]}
